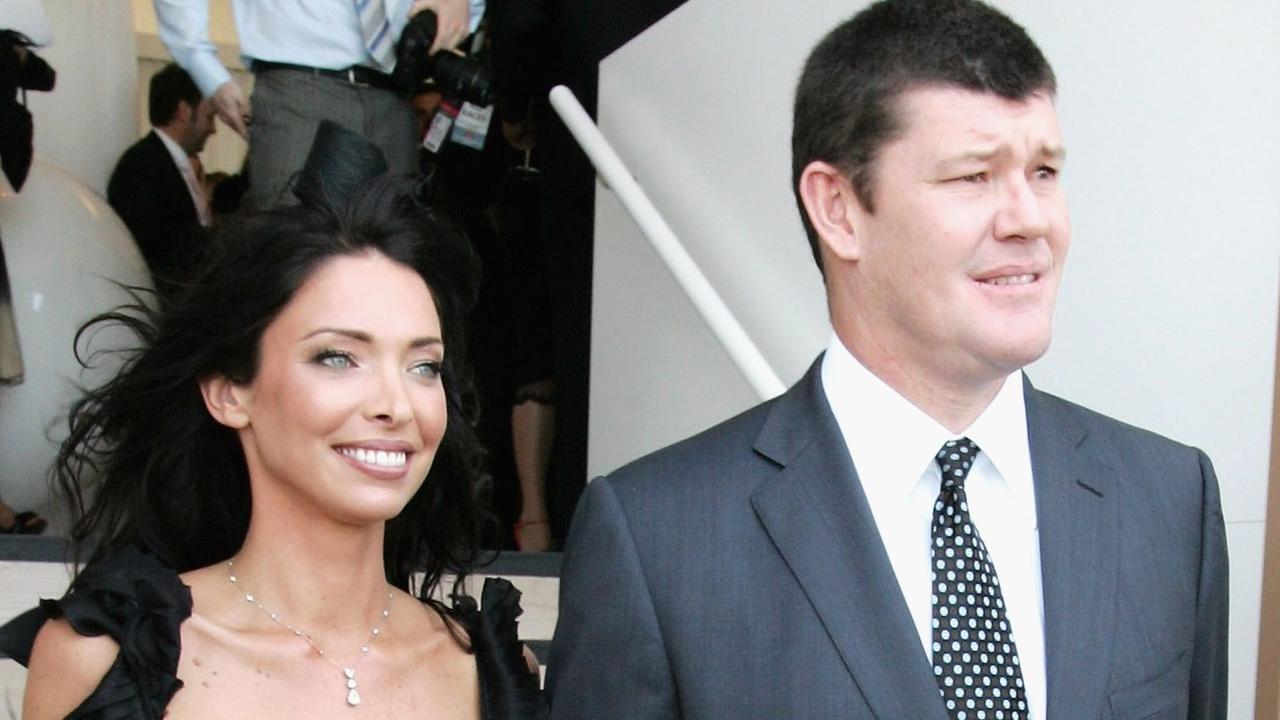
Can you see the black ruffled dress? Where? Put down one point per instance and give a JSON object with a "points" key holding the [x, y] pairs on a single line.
{"points": [[139, 602]]}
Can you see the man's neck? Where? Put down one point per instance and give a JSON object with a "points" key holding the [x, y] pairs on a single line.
{"points": [[953, 403], [170, 133]]}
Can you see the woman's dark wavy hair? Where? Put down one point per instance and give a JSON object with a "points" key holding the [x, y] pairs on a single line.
{"points": [[162, 472]]}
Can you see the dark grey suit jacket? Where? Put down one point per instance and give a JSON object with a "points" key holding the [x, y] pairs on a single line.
{"points": [[739, 574]]}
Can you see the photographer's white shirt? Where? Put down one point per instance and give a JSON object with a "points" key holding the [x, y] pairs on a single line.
{"points": [[312, 33]]}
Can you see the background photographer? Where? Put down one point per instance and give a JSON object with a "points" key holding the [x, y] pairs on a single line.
{"points": [[480, 125], [20, 70], [312, 60]]}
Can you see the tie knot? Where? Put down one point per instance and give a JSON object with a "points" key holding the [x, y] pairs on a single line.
{"points": [[955, 459]]}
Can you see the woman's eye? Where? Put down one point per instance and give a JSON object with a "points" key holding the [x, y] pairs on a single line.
{"points": [[336, 359], [428, 368]]}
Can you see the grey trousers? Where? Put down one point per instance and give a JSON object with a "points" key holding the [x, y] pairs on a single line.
{"points": [[288, 106]]}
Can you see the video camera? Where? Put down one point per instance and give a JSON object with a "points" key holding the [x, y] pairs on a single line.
{"points": [[20, 70]]}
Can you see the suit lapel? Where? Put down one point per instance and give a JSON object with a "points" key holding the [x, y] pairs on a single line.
{"points": [[821, 524], [1079, 554]]}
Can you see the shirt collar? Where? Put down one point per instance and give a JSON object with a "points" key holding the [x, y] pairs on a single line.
{"points": [[179, 155], [892, 442], [1001, 433]]}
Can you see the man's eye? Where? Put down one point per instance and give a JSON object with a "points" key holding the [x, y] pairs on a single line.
{"points": [[428, 368], [336, 359], [973, 177], [1046, 172]]}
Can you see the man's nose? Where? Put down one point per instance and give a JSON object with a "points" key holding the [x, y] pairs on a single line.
{"points": [[1022, 214]]}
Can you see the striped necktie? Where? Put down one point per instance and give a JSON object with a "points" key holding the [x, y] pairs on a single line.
{"points": [[376, 31]]}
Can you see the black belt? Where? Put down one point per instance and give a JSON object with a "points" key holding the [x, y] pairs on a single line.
{"points": [[356, 74]]}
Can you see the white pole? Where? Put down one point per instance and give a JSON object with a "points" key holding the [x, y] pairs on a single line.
{"points": [[613, 172]]}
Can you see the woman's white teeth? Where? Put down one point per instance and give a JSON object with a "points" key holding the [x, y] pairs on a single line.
{"points": [[1012, 280], [381, 458]]}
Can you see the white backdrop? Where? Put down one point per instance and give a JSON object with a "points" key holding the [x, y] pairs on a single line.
{"points": [[1168, 312], [91, 116], [63, 242]]}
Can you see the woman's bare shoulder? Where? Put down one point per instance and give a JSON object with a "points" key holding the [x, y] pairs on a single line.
{"points": [[66, 667]]}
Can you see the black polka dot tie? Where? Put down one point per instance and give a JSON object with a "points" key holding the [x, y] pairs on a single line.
{"points": [[975, 660]]}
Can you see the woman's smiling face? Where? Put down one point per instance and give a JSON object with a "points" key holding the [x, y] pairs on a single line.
{"points": [[347, 408]]}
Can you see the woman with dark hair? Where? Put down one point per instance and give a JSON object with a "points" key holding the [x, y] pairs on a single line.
{"points": [[286, 470]]}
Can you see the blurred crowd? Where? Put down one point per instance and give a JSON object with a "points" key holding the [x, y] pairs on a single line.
{"points": [[451, 91]]}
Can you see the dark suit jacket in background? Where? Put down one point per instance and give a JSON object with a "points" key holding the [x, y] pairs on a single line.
{"points": [[740, 574], [148, 192]]}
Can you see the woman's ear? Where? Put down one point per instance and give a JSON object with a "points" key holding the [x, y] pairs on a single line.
{"points": [[831, 204], [226, 401]]}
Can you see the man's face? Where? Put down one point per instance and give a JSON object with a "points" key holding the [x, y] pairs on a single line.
{"points": [[959, 265], [199, 127]]}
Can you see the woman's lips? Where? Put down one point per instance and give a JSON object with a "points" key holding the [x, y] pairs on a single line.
{"points": [[381, 460]]}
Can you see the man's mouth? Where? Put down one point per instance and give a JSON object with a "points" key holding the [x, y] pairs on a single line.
{"points": [[1001, 280]]}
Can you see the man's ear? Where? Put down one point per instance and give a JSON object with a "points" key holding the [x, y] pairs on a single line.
{"points": [[184, 113], [831, 205], [226, 401]]}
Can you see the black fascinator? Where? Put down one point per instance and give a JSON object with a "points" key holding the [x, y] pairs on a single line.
{"points": [[340, 161]]}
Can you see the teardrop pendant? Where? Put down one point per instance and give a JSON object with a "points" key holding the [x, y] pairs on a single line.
{"points": [[353, 697]]}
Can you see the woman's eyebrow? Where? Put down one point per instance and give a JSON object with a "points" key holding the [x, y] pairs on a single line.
{"points": [[364, 337]]}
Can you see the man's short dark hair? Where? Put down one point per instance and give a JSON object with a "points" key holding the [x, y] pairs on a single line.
{"points": [[169, 86], [845, 101]]}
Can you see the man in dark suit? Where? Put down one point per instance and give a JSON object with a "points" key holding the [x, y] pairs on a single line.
{"points": [[156, 187], [912, 531]]}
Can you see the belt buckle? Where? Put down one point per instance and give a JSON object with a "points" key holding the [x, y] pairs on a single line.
{"points": [[351, 77]]}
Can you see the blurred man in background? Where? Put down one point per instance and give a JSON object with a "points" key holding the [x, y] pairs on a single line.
{"points": [[157, 187]]}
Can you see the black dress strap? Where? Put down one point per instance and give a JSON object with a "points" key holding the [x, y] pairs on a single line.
{"points": [[508, 690], [140, 603]]}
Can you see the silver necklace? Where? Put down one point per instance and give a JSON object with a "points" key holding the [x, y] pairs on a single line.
{"points": [[348, 671]]}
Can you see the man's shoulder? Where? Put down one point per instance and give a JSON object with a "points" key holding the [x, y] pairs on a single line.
{"points": [[717, 454], [148, 146], [147, 150], [1126, 439], [147, 157]]}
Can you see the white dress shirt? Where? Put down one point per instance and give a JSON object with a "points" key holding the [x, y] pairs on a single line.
{"points": [[314, 33], [198, 198], [893, 443]]}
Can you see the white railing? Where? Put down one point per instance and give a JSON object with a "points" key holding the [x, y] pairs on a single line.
{"points": [[615, 176]]}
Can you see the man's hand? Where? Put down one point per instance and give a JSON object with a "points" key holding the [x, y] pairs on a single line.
{"points": [[233, 108], [453, 21]]}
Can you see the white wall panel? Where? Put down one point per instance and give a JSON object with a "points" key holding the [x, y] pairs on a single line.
{"points": [[1168, 312], [92, 114], [652, 336]]}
